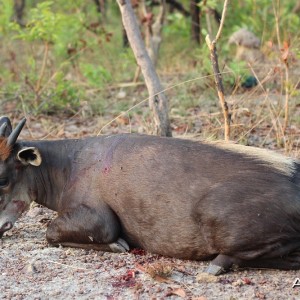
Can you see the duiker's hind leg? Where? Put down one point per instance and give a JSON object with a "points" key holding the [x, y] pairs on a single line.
{"points": [[290, 262], [89, 228], [223, 263]]}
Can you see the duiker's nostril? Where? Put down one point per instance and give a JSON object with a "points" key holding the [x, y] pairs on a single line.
{"points": [[6, 226]]}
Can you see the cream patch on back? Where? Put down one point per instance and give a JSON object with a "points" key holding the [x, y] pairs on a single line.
{"points": [[285, 165]]}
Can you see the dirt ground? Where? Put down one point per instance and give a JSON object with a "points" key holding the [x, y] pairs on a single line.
{"points": [[31, 269]]}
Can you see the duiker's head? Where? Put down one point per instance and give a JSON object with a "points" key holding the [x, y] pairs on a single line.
{"points": [[14, 194]]}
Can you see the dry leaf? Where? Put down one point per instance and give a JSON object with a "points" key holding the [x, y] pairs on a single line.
{"points": [[152, 271], [285, 51], [178, 292], [159, 269], [161, 279], [205, 277]]}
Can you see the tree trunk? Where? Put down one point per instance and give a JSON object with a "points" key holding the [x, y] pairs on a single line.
{"points": [[101, 8], [195, 18], [153, 26], [157, 99], [124, 38], [178, 6], [19, 6]]}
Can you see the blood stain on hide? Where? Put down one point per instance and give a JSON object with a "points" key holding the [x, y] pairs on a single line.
{"points": [[20, 205], [106, 170]]}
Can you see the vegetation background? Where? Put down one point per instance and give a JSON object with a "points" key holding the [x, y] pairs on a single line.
{"points": [[66, 68]]}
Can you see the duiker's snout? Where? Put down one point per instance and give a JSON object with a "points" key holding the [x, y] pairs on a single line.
{"points": [[9, 215], [5, 227]]}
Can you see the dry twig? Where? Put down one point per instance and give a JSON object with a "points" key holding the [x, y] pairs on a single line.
{"points": [[217, 73]]}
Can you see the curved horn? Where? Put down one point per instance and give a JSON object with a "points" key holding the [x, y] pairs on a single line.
{"points": [[14, 135], [5, 130]]}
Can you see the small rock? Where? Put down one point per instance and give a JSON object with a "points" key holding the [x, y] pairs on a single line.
{"points": [[30, 269], [121, 95], [72, 129]]}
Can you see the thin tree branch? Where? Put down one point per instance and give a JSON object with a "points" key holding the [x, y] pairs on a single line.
{"points": [[222, 21], [217, 73]]}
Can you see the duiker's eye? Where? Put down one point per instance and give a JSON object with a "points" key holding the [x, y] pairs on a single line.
{"points": [[3, 182]]}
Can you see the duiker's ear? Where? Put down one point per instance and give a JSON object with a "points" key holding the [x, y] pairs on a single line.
{"points": [[29, 156]]}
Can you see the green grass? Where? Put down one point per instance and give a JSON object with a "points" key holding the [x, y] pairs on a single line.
{"points": [[86, 68]]}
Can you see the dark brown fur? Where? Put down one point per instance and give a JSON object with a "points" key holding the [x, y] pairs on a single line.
{"points": [[168, 196]]}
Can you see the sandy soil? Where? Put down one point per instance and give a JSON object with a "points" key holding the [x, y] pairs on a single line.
{"points": [[31, 269]]}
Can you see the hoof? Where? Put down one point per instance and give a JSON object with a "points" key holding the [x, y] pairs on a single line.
{"points": [[119, 246], [214, 270]]}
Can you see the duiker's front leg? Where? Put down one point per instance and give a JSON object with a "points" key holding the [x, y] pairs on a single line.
{"points": [[89, 228]]}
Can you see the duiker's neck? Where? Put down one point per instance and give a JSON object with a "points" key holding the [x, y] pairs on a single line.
{"points": [[50, 178]]}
